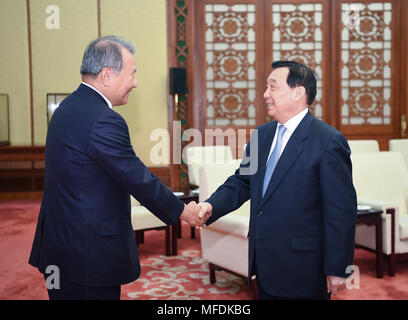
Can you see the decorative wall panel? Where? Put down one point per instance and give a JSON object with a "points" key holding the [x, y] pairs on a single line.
{"points": [[297, 35], [181, 13], [366, 63], [230, 64]]}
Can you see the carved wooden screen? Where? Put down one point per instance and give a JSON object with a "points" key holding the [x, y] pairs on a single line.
{"points": [[368, 69], [229, 75], [230, 61], [353, 45], [296, 33]]}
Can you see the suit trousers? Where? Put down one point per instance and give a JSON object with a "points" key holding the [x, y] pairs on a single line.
{"points": [[262, 295], [73, 291]]}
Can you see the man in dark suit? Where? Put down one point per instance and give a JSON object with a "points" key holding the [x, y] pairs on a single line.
{"points": [[303, 202], [84, 228]]}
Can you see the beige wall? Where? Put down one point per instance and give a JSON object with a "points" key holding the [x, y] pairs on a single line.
{"points": [[144, 23], [57, 55], [14, 68]]}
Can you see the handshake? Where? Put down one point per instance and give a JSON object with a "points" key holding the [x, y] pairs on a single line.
{"points": [[196, 214]]}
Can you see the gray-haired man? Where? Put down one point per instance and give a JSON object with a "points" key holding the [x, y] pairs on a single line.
{"points": [[84, 227]]}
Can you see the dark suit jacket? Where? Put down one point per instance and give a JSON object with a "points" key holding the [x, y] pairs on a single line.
{"points": [[84, 225], [303, 229]]}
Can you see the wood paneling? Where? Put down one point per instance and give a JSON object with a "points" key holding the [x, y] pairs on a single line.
{"points": [[332, 26]]}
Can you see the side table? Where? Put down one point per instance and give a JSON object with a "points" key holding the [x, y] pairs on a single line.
{"points": [[374, 217]]}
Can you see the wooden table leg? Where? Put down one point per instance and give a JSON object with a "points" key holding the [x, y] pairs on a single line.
{"points": [[379, 248], [179, 235], [168, 253], [174, 237]]}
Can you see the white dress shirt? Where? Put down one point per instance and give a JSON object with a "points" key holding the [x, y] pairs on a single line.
{"points": [[106, 99], [291, 126]]}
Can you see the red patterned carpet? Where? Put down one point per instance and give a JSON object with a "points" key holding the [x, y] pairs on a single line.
{"points": [[182, 277]]}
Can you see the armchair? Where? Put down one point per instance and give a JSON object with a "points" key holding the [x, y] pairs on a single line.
{"points": [[224, 243], [143, 220], [381, 181], [400, 145]]}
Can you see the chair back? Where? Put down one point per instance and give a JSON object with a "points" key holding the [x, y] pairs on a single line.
{"points": [[199, 155], [381, 176], [400, 145], [359, 146], [214, 175]]}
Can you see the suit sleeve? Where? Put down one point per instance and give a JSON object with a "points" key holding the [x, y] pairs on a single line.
{"points": [[233, 193], [109, 144], [339, 207]]}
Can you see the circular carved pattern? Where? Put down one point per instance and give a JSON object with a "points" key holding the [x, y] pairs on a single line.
{"points": [[371, 27], [230, 27], [366, 102], [367, 25], [231, 103], [297, 26], [365, 64], [230, 65]]}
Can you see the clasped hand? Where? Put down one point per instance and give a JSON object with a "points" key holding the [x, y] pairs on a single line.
{"points": [[196, 214]]}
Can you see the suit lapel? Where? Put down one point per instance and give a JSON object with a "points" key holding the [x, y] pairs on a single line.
{"points": [[292, 151]]}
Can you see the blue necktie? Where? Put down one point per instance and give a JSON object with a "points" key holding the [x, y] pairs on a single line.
{"points": [[273, 159]]}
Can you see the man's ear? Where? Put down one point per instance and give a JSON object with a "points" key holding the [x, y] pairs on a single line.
{"points": [[299, 93], [106, 76]]}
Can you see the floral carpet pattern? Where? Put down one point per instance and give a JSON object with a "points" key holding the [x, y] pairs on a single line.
{"points": [[181, 277], [176, 278]]}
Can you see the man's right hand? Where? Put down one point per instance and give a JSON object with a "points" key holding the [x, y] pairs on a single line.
{"points": [[193, 216], [206, 209]]}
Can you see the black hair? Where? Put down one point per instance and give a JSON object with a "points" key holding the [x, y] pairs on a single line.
{"points": [[299, 75]]}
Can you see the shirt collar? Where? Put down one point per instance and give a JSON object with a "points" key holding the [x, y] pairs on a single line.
{"points": [[106, 99], [293, 122]]}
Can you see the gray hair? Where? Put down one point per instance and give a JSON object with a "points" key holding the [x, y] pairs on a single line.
{"points": [[105, 52]]}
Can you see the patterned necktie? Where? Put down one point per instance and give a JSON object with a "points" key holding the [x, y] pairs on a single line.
{"points": [[273, 159]]}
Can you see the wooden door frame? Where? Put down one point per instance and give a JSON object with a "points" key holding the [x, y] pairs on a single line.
{"points": [[404, 64]]}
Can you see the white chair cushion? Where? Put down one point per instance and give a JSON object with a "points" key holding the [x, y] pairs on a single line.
{"points": [[358, 146], [233, 224], [199, 155], [381, 176], [403, 226], [213, 175], [400, 145], [144, 219]]}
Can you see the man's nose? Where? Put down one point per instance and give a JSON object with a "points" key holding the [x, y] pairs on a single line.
{"points": [[266, 94], [135, 83]]}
